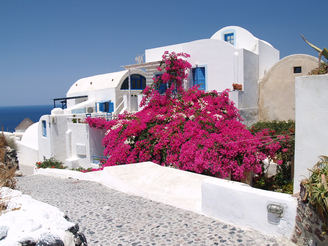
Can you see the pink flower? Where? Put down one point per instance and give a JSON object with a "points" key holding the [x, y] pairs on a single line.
{"points": [[195, 130], [279, 162], [165, 77]]}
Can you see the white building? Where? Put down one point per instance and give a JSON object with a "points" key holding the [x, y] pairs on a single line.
{"points": [[64, 135], [231, 55]]}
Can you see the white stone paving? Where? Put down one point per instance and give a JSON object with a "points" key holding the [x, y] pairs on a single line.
{"points": [[108, 217]]}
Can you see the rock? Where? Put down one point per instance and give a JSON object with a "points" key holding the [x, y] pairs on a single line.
{"points": [[10, 158], [27, 242], [74, 229], [80, 239], [67, 218], [49, 240], [3, 232], [18, 173]]}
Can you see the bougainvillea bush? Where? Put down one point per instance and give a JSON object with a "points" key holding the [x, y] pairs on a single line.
{"points": [[188, 129], [284, 133]]}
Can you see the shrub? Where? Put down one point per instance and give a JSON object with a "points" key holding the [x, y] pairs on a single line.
{"points": [[282, 132], [191, 130], [50, 163], [7, 174], [322, 69], [316, 187]]}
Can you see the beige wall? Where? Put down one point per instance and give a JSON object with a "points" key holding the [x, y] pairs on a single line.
{"points": [[277, 88]]}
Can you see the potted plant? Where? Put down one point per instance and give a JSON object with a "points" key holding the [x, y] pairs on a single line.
{"points": [[237, 87]]}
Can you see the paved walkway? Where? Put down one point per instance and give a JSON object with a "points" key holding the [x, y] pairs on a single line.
{"points": [[108, 217]]}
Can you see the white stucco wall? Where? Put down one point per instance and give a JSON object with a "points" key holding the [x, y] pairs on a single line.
{"points": [[58, 127], [311, 114], [243, 38], [96, 137], [217, 56], [28, 148], [240, 204], [268, 56], [80, 143], [100, 88], [44, 143], [250, 80]]}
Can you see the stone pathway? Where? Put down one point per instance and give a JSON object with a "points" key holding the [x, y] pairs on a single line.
{"points": [[108, 217]]}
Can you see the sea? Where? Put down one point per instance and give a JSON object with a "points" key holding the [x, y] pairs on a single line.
{"points": [[11, 116]]}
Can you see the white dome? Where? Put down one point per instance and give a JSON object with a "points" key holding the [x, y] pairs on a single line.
{"points": [[30, 136]]}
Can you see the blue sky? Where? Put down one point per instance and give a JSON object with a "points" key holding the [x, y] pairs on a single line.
{"points": [[45, 46]]}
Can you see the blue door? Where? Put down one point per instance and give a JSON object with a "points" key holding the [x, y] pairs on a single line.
{"points": [[199, 77]]}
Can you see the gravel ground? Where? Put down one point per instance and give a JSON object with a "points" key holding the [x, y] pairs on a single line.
{"points": [[108, 217]]}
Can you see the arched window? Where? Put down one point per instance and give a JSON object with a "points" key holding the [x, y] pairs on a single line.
{"points": [[138, 82]]}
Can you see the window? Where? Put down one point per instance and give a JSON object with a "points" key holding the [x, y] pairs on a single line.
{"points": [[138, 82], [298, 69], [44, 128], [230, 38], [107, 107], [198, 75]]}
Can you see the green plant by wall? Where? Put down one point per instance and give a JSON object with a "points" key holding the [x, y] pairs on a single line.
{"points": [[322, 69], [316, 187], [50, 163]]}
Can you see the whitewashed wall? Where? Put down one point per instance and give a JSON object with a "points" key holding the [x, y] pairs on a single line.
{"points": [[58, 127], [80, 143], [44, 143], [250, 80], [217, 56], [95, 142], [268, 56], [311, 114], [28, 149], [243, 38], [239, 204]]}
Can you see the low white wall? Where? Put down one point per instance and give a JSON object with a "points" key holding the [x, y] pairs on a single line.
{"points": [[80, 143], [228, 201], [242, 205], [311, 133], [27, 157]]}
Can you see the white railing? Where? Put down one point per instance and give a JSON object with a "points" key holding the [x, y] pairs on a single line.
{"points": [[81, 118], [121, 107]]}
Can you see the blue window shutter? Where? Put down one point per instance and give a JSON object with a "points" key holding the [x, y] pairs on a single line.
{"points": [[162, 88], [101, 107], [199, 77], [44, 128], [111, 107]]}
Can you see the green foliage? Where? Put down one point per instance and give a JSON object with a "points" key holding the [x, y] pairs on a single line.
{"points": [[81, 169], [279, 127], [322, 69], [317, 188], [283, 132], [50, 163]]}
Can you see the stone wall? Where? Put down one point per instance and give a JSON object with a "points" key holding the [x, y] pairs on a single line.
{"points": [[310, 229], [277, 88]]}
